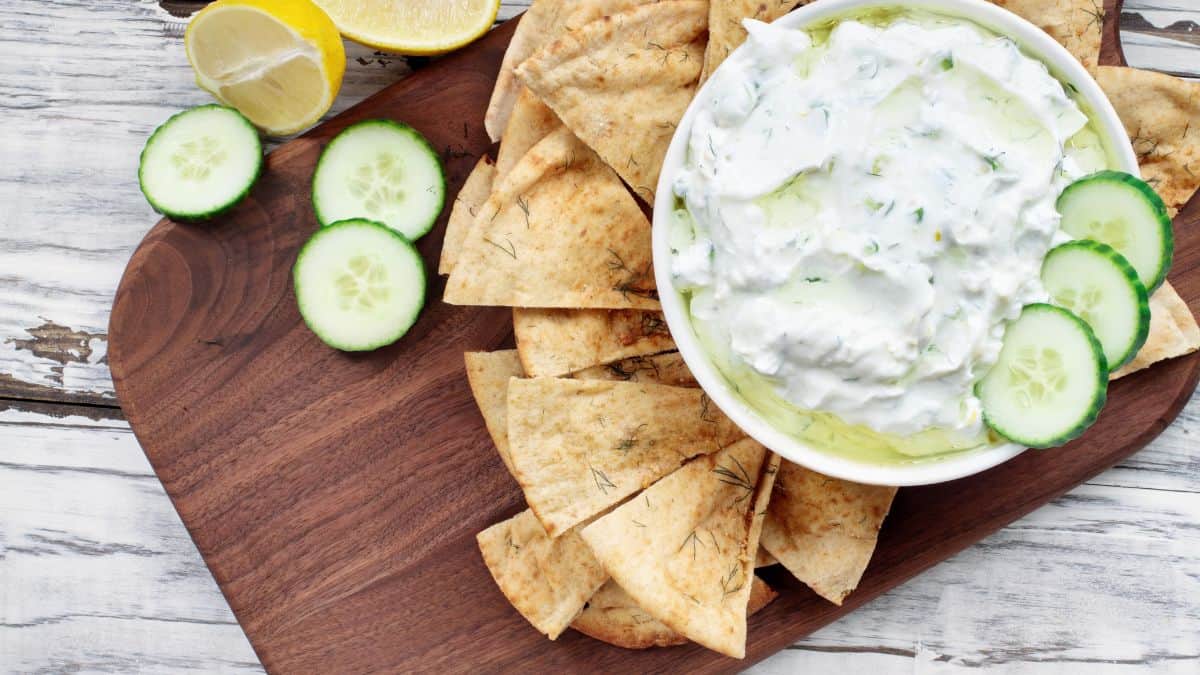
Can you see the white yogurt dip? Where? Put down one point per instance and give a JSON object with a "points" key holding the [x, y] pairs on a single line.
{"points": [[862, 210]]}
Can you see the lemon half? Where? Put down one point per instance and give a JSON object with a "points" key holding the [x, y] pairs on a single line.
{"points": [[412, 26], [279, 62]]}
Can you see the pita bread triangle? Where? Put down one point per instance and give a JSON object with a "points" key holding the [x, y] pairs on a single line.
{"points": [[622, 82], [560, 230], [822, 529], [546, 580], [684, 549]]}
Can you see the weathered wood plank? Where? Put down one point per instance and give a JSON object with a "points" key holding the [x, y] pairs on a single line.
{"points": [[99, 574]]}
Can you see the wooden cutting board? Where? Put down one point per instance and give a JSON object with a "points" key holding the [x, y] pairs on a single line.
{"points": [[336, 497]]}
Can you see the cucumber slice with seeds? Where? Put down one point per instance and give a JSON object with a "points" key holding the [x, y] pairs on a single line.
{"points": [[200, 163], [359, 284], [1049, 382], [1098, 285], [382, 170], [1124, 212]]}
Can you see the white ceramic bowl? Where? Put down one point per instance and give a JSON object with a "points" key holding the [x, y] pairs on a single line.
{"points": [[1036, 43]]}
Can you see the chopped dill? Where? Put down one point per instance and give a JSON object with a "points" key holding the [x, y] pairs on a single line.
{"points": [[602, 482], [511, 250]]}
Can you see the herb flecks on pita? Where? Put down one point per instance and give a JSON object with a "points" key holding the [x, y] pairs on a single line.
{"points": [[1160, 114], [623, 81], [823, 530], [1077, 25], [475, 191], [546, 580], [560, 230], [612, 616], [684, 549], [579, 447], [561, 341]]}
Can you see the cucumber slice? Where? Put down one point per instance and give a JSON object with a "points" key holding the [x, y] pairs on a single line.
{"points": [[1050, 381], [359, 284], [200, 163], [1124, 212], [1098, 285], [382, 170]]}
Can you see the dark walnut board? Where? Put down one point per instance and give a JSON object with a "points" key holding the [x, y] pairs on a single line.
{"points": [[336, 497]]}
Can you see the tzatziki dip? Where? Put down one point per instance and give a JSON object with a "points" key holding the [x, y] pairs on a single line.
{"points": [[863, 207]]}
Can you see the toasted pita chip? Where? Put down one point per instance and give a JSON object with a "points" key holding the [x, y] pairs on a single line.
{"points": [[488, 374], [1173, 332], [1077, 25], [581, 446], [539, 25], [1160, 114], [823, 529], [667, 368], [561, 341], [725, 31], [612, 616], [470, 199], [684, 549], [559, 231], [622, 82], [531, 121], [546, 580], [764, 558]]}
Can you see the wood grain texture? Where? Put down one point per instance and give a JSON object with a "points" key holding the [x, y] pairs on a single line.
{"points": [[1060, 581], [323, 488]]}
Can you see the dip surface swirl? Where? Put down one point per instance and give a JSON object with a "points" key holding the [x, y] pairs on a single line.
{"points": [[862, 210]]}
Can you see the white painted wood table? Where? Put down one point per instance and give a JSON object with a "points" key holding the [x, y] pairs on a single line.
{"points": [[97, 574]]}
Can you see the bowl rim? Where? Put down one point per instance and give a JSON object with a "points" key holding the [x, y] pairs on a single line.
{"points": [[1035, 42]]}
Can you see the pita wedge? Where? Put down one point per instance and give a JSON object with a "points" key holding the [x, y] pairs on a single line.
{"points": [[581, 446], [488, 374], [1077, 25], [530, 122], [560, 230], [1173, 332], [561, 341], [725, 31], [684, 549], [1160, 114], [546, 580], [612, 616], [823, 529], [470, 199], [668, 368], [622, 82], [540, 24]]}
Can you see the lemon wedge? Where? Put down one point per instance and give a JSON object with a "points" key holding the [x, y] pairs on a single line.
{"points": [[412, 26], [279, 62]]}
